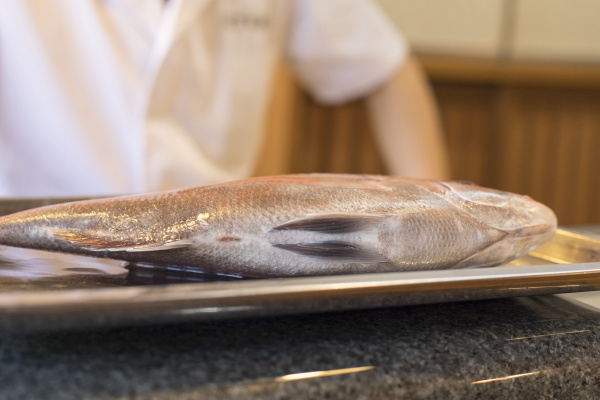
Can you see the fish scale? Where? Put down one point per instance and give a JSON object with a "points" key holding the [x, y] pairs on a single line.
{"points": [[290, 225]]}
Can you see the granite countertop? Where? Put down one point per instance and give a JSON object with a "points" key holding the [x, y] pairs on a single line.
{"points": [[522, 347], [527, 347]]}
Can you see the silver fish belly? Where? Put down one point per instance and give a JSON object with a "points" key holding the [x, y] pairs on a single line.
{"points": [[293, 225]]}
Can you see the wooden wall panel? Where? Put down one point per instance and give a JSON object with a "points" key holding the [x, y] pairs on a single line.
{"points": [[587, 208], [468, 114], [278, 145], [334, 139], [536, 140]]}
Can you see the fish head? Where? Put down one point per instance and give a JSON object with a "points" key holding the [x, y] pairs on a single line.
{"points": [[526, 223]]}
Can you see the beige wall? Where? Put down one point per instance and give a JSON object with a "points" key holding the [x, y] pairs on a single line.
{"points": [[558, 30], [470, 27]]}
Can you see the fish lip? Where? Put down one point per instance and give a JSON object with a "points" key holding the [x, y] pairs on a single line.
{"points": [[445, 185], [454, 190]]}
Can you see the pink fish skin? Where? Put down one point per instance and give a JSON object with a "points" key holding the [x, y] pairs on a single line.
{"points": [[293, 225]]}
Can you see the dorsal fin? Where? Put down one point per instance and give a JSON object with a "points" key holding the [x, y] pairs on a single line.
{"points": [[332, 223]]}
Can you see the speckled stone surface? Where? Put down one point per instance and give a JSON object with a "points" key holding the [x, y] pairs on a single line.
{"points": [[432, 351]]}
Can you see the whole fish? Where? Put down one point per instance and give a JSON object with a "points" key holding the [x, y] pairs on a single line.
{"points": [[291, 225]]}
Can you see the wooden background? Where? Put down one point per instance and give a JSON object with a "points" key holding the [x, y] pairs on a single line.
{"points": [[526, 128]]}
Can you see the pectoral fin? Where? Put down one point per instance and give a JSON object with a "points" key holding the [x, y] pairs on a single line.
{"points": [[95, 241], [332, 223], [333, 250]]}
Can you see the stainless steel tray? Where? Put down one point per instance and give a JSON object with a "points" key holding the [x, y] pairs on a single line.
{"points": [[48, 291]]}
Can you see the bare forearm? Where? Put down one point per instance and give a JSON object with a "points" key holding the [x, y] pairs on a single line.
{"points": [[406, 122]]}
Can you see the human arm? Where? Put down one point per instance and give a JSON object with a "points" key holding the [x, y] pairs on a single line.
{"points": [[407, 125], [343, 50]]}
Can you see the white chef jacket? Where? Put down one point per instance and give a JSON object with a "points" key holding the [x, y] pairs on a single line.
{"points": [[122, 96]]}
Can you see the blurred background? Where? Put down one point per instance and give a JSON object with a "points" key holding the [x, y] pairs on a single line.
{"points": [[516, 83]]}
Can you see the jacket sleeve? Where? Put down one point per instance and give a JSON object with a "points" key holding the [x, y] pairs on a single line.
{"points": [[342, 49]]}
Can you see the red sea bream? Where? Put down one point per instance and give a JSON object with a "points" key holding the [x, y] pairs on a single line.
{"points": [[294, 225]]}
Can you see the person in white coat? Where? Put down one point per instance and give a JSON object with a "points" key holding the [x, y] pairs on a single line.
{"points": [[103, 97]]}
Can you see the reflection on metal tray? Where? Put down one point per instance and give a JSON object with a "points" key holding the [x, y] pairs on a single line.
{"points": [[49, 291], [99, 294]]}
